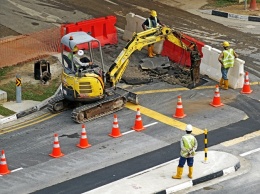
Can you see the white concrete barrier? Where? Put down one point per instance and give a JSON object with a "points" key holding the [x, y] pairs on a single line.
{"points": [[211, 67], [134, 25], [3, 96]]}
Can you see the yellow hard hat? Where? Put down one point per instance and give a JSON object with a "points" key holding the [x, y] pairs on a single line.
{"points": [[153, 13], [225, 44]]}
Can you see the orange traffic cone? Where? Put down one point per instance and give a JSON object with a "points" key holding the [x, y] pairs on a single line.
{"points": [[138, 122], [83, 143], [253, 6], [115, 129], [246, 88], [56, 151], [3, 165], [179, 113], [216, 100]]}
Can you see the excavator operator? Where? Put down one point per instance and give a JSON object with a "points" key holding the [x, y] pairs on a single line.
{"points": [[79, 60], [151, 22]]}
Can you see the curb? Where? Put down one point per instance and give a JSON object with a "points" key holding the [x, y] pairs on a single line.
{"points": [[191, 183], [29, 110], [231, 15]]}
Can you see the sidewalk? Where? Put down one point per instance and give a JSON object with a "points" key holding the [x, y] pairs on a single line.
{"points": [[158, 179], [24, 108], [21, 109]]}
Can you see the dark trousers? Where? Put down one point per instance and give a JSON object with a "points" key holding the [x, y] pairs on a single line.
{"points": [[182, 161]]}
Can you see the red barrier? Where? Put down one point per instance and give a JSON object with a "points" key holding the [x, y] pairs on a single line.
{"points": [[102, 29], [179, 55]]}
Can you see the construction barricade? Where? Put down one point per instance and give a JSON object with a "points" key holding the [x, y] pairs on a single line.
{"points": [[211, 67], [178, 54], [102, 28]]}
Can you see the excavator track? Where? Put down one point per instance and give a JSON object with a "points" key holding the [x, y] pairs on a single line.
{"points": [[92, 111], [57, 104], [113, 102]]}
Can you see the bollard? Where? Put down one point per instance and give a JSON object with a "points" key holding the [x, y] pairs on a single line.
{"points": [[18, 89], [206, 146]]}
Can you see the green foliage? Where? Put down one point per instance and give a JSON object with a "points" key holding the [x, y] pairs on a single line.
{"points": [[222, 3], [36, 92], [5, 70], [5, 112]]}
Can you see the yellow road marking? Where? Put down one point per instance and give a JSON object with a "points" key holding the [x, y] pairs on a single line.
{"points": [[182, 89], [241, 139], [204, 87], [23, 123], [254, 83], [162, 118], [160, 91], [3, 131]]}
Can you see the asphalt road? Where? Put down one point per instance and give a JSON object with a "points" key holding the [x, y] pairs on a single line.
{"points": [[29, 143]]}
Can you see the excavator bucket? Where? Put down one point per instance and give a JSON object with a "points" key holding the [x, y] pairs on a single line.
{"points": [[130, 96]]}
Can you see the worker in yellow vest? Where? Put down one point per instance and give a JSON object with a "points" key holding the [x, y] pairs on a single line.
{"points": [[151, 22], [227, 60], [189, 145]]}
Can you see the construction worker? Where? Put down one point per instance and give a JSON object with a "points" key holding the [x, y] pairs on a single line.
{"points": [[227, 60], [189, 145], [151, 22], [79, 59]]}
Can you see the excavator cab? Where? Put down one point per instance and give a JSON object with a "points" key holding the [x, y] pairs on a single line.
{"points": [[81, 84], [85, 90]]}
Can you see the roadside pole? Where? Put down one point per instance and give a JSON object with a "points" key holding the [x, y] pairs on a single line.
{"points": [[18, 89]]}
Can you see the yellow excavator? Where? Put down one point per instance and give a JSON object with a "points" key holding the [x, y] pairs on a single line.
{"points": [[92, 92]]}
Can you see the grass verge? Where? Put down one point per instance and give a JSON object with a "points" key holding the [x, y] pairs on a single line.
{"points": [[5, 112], [36, 92]]}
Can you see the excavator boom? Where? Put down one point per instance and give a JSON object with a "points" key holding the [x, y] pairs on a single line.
{"points": [[145, 38]]}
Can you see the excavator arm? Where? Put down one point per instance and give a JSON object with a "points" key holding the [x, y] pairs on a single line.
{"points": [[138, 41]]}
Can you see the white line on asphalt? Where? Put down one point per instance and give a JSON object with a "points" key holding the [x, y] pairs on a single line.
{"points": [[42, 15], [14, 170], [250, 152], [17, 169], [111, 2], [144, 126]]}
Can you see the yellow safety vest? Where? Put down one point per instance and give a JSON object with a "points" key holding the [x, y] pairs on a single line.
{"points": [[151, 23], [188, 144], [229, 58]]}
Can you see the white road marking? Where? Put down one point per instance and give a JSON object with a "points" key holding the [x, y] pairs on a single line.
{"points": [[17, 169], [14, 170], [148, 125], [250, 152], [46, 17], [111, 2], [151, 124]]}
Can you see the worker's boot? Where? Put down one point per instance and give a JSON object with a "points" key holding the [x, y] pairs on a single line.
{"points": [[221, 83], [154, 54], [225, 84], [150, 52], [190, 172], [179, 173]]}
